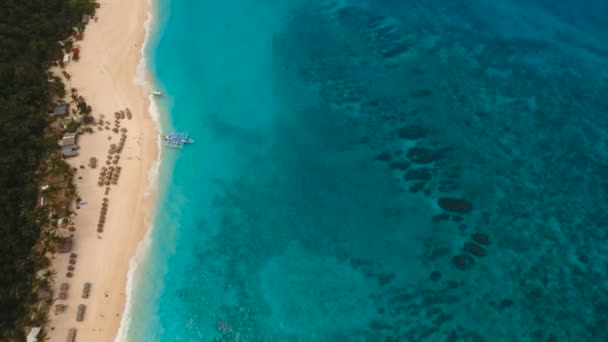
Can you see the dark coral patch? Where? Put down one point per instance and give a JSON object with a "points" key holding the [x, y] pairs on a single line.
{"points": [[399, 165], [463, 262], [418, 174], [480, 238], [455, 205], [435, 276], [413, 132], [421, 155], [384, 156], [417, 187], [474, 249], [419, 93]]}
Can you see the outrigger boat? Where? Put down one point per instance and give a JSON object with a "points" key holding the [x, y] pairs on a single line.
{"points": [[176, 140], [157, 93]]}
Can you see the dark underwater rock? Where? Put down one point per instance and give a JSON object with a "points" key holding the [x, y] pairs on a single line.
{"points": [[474, 249], [384, 156], [413, 132], [387, 278], [417, 187], [376, 325], [463, 261], [421, 155], [435, 276], [422, 174], [455, 205], [505, 303], [399, 165], [480, 238], [420, 93]]}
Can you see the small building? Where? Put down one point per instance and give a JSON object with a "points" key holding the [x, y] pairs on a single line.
{"points": [[33, 335], [85, 19], [69, 151], [60, 110], [68, 139], [66, 58]]}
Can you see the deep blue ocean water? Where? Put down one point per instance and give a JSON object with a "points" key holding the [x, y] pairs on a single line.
{"points": [[380, 171]]}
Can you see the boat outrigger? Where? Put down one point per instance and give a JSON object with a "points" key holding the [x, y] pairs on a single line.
{"points": [[176, 140]]}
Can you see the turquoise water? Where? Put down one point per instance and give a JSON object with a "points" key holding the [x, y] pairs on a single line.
{"points": [[379, 171]]}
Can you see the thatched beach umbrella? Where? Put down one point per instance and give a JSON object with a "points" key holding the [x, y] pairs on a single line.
{"points": [[71, 268], [69, 275]]}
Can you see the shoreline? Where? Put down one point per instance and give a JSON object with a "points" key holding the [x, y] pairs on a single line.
{"points": [[112, 76]]}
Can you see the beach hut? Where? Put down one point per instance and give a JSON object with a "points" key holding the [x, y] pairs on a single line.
{"points": [[60, 110], [66, 58], [69, 151], [68, 139], [33, 335], [85, 18]]}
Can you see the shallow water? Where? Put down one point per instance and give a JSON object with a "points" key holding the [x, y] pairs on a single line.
{"points": [[380, 171]]}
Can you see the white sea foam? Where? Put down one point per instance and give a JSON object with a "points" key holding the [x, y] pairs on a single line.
{"points": [[142, 79]]}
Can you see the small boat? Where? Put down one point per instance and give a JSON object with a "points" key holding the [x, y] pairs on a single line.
{"points": [[176, 140], [157, 93]]}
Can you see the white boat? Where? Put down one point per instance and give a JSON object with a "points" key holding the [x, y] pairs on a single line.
{"points": [[176, 140], [157, 93]]}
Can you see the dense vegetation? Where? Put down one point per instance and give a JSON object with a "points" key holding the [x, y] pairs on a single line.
{"points": [[29, 35]]}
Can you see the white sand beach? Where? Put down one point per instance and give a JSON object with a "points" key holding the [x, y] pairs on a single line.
{"points": [[104, 76]]}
